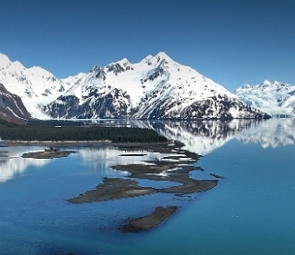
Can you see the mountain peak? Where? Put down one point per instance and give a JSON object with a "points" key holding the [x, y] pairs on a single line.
{"points": [[37, 70], [157, 59], [7, 63], [266, 82], [162, 55], [150, 59], [245, 86], [147, 58], [123, 61], [95, 68], [4, 60]]}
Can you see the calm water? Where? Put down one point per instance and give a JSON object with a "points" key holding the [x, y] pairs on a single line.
{"points": [[251, 211]]}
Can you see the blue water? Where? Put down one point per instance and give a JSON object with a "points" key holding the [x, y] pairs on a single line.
{"points": [[251, 211]]}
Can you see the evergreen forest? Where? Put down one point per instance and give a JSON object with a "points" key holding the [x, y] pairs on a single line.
{"points": [[75, 131]]}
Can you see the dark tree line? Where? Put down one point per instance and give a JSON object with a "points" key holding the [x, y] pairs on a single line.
{"points": [[77, 133], [54, 123]]}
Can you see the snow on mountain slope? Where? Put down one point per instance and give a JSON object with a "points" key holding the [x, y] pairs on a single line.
{"points": [[71, 80], [145, 77], [274, 98], [34, 85], [155, 88]]}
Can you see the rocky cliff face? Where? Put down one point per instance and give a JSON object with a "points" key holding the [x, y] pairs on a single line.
{"points": [[109, 106], [12, 108]]}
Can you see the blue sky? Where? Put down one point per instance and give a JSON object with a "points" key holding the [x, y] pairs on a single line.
{"points": [[232, 42]]}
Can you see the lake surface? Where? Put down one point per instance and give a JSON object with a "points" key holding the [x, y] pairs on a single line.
{"points": [[251, 211]]}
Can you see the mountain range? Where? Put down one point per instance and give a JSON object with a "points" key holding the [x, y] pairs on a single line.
{"points": [[155, 88], [276, 99]]}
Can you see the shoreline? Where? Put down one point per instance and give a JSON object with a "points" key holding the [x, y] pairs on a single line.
{"points": [[50, 143], [81, 143], [47, 154]]}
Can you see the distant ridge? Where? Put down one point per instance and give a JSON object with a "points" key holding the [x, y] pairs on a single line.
{"points": [[277, 98]]}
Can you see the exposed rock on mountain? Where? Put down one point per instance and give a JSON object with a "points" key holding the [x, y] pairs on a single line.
{"points": [[12, 108]]}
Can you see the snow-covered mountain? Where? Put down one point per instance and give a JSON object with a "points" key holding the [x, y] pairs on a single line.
{"points": [[275, 98], [12, 108], [33, 85], [155, 88]]}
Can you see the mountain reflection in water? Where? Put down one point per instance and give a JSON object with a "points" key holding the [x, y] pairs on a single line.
{"points": [[11, 162], [202, 137]]}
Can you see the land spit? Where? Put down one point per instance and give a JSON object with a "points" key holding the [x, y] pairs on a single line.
{"points": [[110, 189], [149, 221], [47, 154]]}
